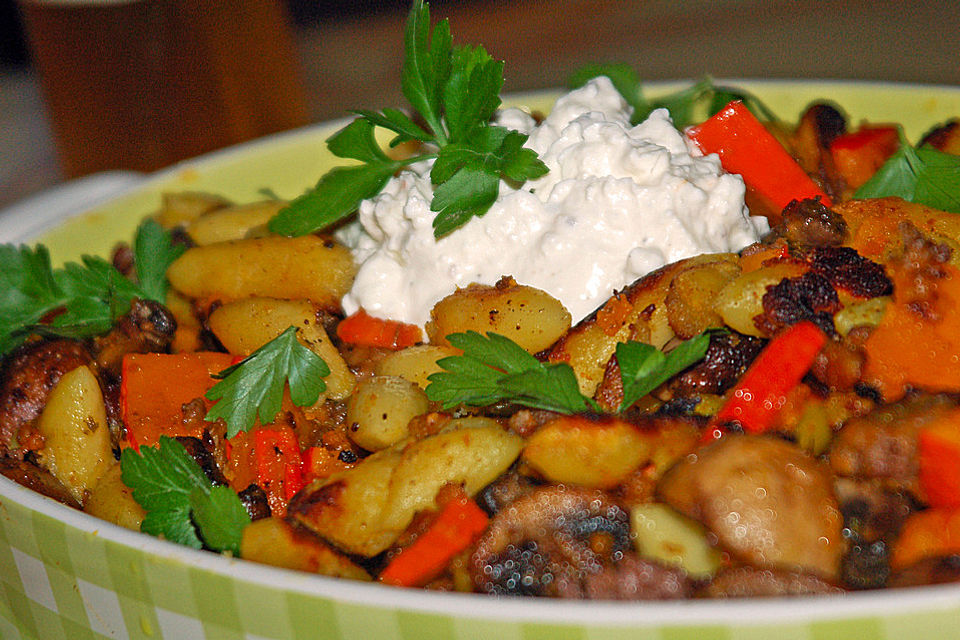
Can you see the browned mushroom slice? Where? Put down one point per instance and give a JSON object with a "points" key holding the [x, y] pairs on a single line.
{"points": [[748, 582], [883, 444], [769, 503], [933, 570], [727, 358], [809, 223], [810, 144], [570, 543]]}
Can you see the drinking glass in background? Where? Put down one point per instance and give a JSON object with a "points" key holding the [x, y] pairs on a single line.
{"points": [[140, 84]]}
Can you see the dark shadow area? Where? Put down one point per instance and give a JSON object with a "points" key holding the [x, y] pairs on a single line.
{"points": [[13, 48], [308, 12], [303, 13]]}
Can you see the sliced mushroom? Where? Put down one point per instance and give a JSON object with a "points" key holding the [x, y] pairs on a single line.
{"points": [[572, 543], [748, 582], [769, 503]]}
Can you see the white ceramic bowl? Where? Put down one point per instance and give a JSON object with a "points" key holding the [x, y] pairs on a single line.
{"points": [[64, 574]]}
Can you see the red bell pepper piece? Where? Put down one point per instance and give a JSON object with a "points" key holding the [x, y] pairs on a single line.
{"points": [[940, 469], [279, 466], [364, 330], [321, 462], [746, 147], [460, 522], [754, 261], [939, 453], [927, 533], [154, 387], [610, 316], [241, 469], [779, 368], [859, 154]]}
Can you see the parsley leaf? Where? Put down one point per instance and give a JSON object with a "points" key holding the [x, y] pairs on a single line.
{"points": [[721, 96], [472, 94], [494, 369], [468, 174], [624, 79], [686, 106], [398, 122], [336, 196], [179, 498], [220, 516], [356, 140], [552, 387], [681, 104], [925, 176], [493, 149], [643, 367], [425, 67], [456, 90], [468, 193], [253, 388], [81, 299], [154, 252], [96, 278], [27, 294]]}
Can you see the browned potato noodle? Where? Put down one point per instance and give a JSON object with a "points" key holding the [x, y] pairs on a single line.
{"points": [[308, 267], [530, 317]]}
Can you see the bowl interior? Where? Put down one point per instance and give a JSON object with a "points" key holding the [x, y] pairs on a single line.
{"points": [[65, 574]]}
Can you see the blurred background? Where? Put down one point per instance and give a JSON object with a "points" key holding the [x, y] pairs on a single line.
{"points": [[318, 58]]}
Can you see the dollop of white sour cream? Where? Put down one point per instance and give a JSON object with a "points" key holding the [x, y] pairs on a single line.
{"points": [[619, 201]]}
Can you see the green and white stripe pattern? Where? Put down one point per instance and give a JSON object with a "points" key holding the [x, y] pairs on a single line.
{"points": [[58, 580]]}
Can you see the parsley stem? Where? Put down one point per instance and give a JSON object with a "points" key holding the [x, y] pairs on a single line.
{"points": [[438, 133]]}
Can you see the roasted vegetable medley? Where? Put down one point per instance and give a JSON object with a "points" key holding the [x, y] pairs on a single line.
{"points": [[780, 421]]}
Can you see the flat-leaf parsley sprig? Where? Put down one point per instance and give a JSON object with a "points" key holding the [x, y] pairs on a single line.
{"points": [[687, 106], [253, 388], [81, 299], [917, 174], [181, 503], [456, 90], [493, 369], [643, 367], [496, 369]]}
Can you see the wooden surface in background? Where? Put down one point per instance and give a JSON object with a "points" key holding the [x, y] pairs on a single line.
{"points": [[141, 85], [356, 63]]}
